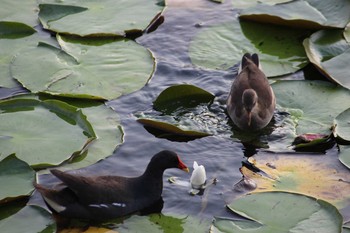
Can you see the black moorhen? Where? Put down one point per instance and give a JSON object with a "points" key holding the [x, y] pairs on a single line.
{"points": [[106, 197], [251, 102]]}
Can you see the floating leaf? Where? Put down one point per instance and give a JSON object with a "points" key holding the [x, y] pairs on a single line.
{"points": [[171, 126], [181, 96], [163, 223], [303, 13], [344, 155], [341, 127], [330, 52], [287, 212], [26, 12], [85, 68], [309, 176], [317, 102], [97, 17], [14, 37], [31, 219], [279, 48], [42, 133], [313, 142], [17, 176]]}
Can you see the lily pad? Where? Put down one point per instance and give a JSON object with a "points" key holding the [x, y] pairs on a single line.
{"points": [[163, 223], [84, 68], [97, 17], [14, 37], [302, 13], [42, 133], [26, 12], [241, 4], [310, 176], [344, 155], [107, 127], [17, 176], [305, 214], [279, 48], [330, 53], [31, 219], [341, 127], [317, 102], [181, 96]]}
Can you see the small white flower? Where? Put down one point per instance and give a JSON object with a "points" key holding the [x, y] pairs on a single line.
{"points": [[198, 176]]}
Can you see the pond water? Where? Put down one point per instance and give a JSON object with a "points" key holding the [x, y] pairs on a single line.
{"points": [[221, 155]]}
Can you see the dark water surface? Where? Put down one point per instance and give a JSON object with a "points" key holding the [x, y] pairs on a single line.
{"points": [[221, 155]]}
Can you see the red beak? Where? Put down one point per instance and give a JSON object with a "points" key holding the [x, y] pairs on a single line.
{"points": [[182, 166]]}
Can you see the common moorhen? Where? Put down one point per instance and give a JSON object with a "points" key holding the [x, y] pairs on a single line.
{"points": [[106, 197], [251, 102]]}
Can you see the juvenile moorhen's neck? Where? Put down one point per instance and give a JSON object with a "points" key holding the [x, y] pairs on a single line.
{"points": [[153, 172]]}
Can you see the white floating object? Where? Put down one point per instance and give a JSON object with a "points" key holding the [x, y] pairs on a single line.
{"points": [[198, 176]]}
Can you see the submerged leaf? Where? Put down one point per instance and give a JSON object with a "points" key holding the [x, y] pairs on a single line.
{"points": [[17, 176], [84, 68], [287, 212], [279, 48]]}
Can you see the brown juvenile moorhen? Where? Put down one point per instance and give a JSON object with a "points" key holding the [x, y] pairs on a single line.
{"points": [[107, 197], [251, 102]]}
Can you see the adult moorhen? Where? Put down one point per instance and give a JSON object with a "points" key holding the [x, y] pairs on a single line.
{"points": [[251, 102], [106, 197]]}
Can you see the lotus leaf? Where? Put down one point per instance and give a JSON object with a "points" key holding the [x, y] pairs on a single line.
{"points": [[17, 176], [279, 48], [330, 52], [310, 176], [42, 133], [241, 4], [181, 96], [287, 212], [302, 13], [14, 37], [26, 12], [97, 17], [31, 219], [344, 155], [318, 103], [84, 68]]}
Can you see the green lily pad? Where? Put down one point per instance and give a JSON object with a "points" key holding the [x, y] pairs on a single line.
{"points": [[288, 212], [84, 68], [341, 125], [317, 102], [303, 13], [107, 127], [181, 96], [163, 223], [344, 155], [279, 48], [347, 33], [42, 133], [31, 219], [17, 176], [330, 53], [170, 126], [98, 17], [14, 37], [26, 12]]}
